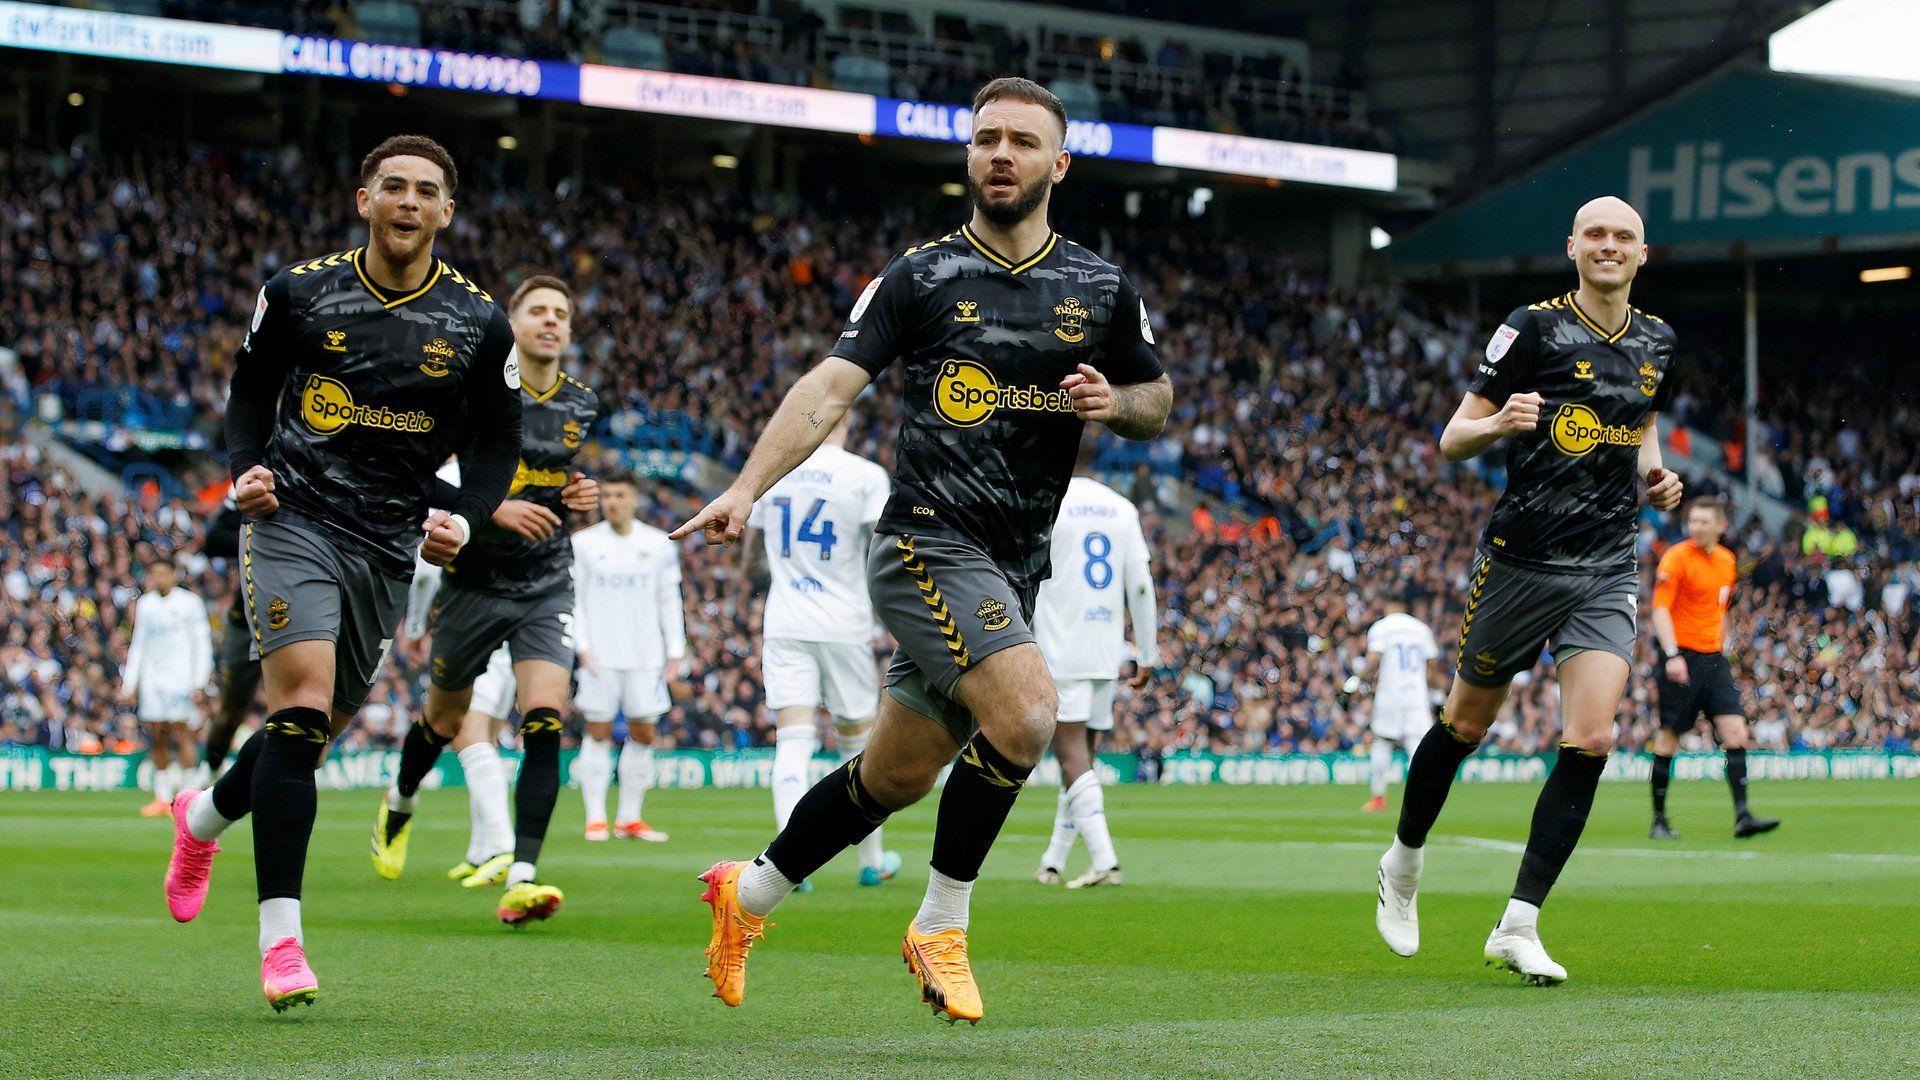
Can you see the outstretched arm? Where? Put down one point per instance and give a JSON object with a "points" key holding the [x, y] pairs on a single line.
{"points": [[799, 426]]}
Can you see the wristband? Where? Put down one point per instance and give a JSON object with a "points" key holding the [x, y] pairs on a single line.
{"points": [[1672, 654], [460, 523]]}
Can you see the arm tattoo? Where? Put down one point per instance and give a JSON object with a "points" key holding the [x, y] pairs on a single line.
{"points": [[1140, 409], [812, 417]]}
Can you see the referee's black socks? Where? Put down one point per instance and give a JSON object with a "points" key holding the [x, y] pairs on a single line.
{"points": [[284, 798], [1663, 776], [1559, 817], [1430, 774], [1737, 780], [980, 793], [834, 814], [539, 785]]}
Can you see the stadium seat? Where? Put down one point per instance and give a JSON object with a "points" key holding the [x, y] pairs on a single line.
{"points": [[1081, 99], [389, 21], [630, 46], [862, 75]]}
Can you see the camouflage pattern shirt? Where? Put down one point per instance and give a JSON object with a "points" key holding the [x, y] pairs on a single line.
{"points": [[988, 440], [1573, 484]]}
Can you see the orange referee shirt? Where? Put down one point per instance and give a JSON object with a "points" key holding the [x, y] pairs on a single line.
{"points": [[1695, 586]]}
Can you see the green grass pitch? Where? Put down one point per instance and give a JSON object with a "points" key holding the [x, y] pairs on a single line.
{"points": [[1241, 945]]}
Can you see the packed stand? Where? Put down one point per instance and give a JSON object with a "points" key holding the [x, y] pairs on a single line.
{"points": [[1307, 419], [1162, 82]]}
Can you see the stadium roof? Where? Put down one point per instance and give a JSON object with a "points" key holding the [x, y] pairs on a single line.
{"points": [[1748, 162]]}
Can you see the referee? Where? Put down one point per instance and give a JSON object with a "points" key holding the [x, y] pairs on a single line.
{"points": [[1690, 595]]}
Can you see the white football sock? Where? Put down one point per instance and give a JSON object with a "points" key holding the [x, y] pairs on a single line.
{"points": [[636, 776], [402, 804], [1089, 805], [203, 821], [491, 827], [1405, 863], [279, 920], [945, 906], [1061, 845], [1520, 915], [519, 872], [793, 749], [176, 779], [163, 781], [594, 770], [762, 886], [1382, 758]]}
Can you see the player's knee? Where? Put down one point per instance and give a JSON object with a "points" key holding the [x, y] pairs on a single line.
{"points": [[1596, 745], [899, 786], [1026, 724]]}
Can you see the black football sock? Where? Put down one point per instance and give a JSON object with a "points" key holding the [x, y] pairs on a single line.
{"points": [[220, 740], [980, 793], [1430, 774], [233, 793], [418, 751], [1662, 775], [1559, 817], [834, 814], [538, 787], [285, 799], [1737, 780]]}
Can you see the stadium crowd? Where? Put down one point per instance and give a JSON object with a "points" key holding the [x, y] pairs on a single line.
{"points": [[1307, 419], [1159, 82]]}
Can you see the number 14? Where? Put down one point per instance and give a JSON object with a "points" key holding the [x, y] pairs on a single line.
{"points": [[822, 537]]}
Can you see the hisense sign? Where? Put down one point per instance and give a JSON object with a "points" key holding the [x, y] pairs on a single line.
{"points": [[1770, 162], [1700, 181]]}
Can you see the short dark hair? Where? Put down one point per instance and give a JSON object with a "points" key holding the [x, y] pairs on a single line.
{"points": [[539, 281], [418, 146], [621, 476], [1015, 88], [1707, 502]]}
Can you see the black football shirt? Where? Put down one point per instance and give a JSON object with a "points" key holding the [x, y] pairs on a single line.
{"points": [[988, 441], [376, 390], [1573, 484], [501, 562]]}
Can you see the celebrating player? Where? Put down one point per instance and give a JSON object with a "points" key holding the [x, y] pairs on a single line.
{"points": [[1401, 655], [631, 623], [1575, 385], [1100, 562], [1012, 339], [1691, 589], [512, 585], [169, 662], [818, 625], [361, 372]]}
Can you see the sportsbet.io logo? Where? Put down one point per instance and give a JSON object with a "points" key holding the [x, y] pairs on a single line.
{"points": [[1577, 429], [965, 394], [326, 405]]}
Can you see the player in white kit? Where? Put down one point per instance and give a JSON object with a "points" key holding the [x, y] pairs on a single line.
{"points": [[490, 826], [629, 623], [818, 626], [1403, 656], [169, 662], [1100, 564]]}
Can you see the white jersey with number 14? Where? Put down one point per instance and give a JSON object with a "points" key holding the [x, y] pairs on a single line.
{"points": [[812, 522]]}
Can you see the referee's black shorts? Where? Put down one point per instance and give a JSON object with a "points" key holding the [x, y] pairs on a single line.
{"points": [[1709, 692]]}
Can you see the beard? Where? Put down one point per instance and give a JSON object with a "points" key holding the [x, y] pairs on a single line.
{"points": [[1023, 205]]}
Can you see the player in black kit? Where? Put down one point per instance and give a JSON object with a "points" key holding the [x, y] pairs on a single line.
{"points": [[512, 584], [1575, 385], [1012, 339], [361, 372]]}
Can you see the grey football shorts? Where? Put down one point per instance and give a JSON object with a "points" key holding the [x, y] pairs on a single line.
{"points": [[301, 586], [949, 607], [1513, 612], [468, 625]]}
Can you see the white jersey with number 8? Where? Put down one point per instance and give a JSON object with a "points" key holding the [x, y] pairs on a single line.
{"points": [[1405, 646], [1100, 575]]}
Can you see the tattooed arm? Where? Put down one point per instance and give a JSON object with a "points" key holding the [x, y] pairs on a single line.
{"points": [[799, 426]]}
